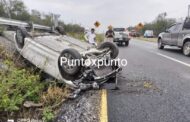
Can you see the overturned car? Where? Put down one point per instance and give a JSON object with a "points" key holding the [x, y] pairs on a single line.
{"points": [[53, 53]]}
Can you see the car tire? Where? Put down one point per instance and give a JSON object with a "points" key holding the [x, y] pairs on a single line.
{"points": [[66, 71], [127, 43], [21, 34], [186, 48], [160, 44], [113, 47]]}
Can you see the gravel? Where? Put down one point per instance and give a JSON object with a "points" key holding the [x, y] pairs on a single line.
{"points": [[85, 108]]}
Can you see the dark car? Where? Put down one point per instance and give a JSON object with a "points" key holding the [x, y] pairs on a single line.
{"points": [[133, 33], [177, 35]]}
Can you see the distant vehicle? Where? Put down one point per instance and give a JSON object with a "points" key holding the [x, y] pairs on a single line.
{"points": [[177, 35], [121, 36], [134, 33], [149, 34]]}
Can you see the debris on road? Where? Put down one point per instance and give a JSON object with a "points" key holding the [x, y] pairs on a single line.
{"points": [[82, 109], [147, 85]]}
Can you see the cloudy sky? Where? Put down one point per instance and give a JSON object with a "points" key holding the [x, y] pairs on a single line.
{"points": [[120, 13]]}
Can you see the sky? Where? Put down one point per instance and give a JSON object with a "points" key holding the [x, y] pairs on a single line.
{"points": [[118, 13]]}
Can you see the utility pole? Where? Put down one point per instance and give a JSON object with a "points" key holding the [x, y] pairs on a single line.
{"points": [[54, 19]]}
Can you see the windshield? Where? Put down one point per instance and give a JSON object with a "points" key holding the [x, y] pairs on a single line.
{"points": [[119, 29]]}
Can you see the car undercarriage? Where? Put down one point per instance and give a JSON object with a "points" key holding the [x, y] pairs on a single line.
{"points": [[46, 51]]}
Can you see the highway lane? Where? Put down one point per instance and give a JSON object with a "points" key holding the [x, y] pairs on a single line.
{"points": [[154, 87]]}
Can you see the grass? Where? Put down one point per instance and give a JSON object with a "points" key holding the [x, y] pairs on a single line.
{"points": [[99, 38], [148, 39], [20, 84], [80, 36]]}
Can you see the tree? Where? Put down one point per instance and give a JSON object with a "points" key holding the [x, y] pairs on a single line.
{"points": [[72, 28], [47, 20], [2, 10], [18, 10], [159, 24], [35, 16]]}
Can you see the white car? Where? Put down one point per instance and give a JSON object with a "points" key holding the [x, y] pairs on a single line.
{"points": [[121, 36], [149, 34], [46, 50]]}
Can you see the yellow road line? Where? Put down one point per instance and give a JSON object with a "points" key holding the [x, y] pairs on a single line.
{"points": [[103, 109]]}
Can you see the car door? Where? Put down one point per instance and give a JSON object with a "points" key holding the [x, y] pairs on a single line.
{"points": [[167, 35], [183, 32], [175, 34]]}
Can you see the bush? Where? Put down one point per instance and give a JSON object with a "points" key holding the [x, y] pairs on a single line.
{"points": [[16, 86], [47, 115], [1, 30]]}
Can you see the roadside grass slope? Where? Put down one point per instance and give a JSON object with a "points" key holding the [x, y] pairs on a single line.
{"points": [[19, 85]]}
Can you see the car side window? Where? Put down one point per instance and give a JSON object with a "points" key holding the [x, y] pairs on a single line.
{"points": [[177, 27], [172, 28]]}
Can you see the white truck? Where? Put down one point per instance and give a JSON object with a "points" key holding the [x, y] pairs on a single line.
{"points": [[121, 36]]}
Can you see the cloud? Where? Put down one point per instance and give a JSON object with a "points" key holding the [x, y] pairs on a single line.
{"points": [[115, 12]]}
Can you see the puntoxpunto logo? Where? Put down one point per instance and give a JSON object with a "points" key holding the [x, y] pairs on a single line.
{"points": [[93, 62]]}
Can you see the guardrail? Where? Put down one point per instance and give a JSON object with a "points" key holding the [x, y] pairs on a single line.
{"points": [[12, 22]]}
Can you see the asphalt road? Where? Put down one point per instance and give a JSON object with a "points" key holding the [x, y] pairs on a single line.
{"points": [[154, 87]]}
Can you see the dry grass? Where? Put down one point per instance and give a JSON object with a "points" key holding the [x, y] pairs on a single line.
{"points": [[54, 96], [147, 85], [4, 54]]}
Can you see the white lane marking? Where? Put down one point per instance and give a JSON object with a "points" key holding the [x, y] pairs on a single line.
{"points": [[165, 56], [173, 59]]}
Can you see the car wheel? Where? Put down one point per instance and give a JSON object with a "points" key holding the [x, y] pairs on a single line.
{"points": [[160, 45], [127, 43], [69, 70], [21, 34], [186, 49], [114, 49]]}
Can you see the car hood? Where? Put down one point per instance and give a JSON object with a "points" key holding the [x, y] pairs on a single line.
{"points": [[120, 34], [161, 34]]}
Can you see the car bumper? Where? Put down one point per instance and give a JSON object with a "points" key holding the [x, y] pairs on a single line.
{"points": [[121, 39]]}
